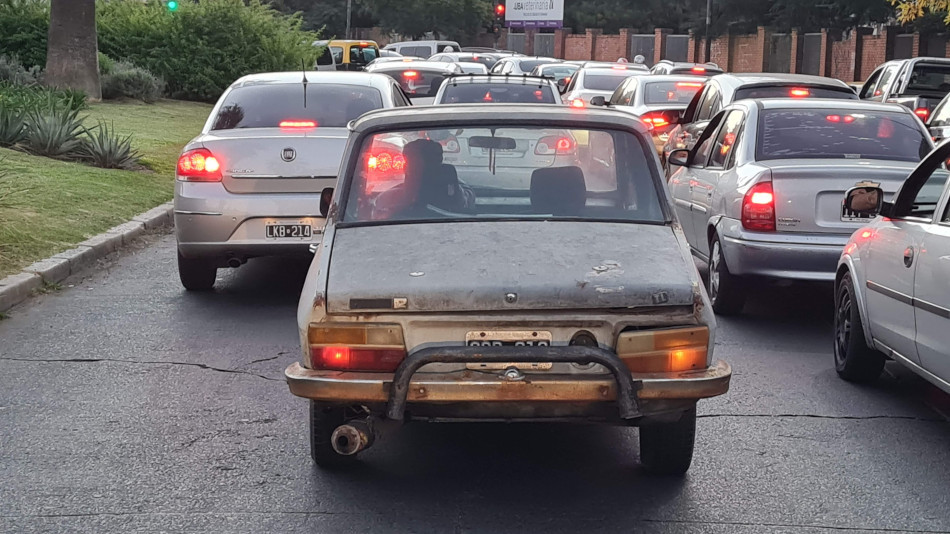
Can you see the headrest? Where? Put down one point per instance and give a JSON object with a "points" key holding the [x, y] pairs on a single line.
{"points": [[558, 190]]}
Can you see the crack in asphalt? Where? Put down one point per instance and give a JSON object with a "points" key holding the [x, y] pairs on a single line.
{"points": [[264, 359], [818, 416], [787, 525], [115, 360]]}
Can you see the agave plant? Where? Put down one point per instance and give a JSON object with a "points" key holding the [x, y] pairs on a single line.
{"points": [[54, 133], [12, 126], [103, 147]]}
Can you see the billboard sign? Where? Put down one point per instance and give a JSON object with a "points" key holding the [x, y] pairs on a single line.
{"points": [[534, 13]]}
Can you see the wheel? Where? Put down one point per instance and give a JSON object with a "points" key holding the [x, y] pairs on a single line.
{"points": [[725, 289], [667, 448], [323, 421], [855, 361], [195, 274]]}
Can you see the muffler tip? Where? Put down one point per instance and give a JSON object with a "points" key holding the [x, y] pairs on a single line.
{"points": [[351, 438]]}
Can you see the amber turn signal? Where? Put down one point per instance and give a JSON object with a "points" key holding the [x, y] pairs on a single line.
{"points": [[664, 351]]}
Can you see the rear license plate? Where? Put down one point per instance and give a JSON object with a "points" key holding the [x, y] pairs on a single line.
{"points": [[281, 231], [850, 216], [508, 338]]}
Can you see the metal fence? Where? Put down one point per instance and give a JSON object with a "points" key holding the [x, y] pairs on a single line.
{"points": [[811, 54], [516, 42], [780, 53], [544, 44], [677, 47], [934, 45], [642, 44]]}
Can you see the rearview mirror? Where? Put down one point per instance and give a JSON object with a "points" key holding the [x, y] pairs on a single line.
{"points": [[598, 101], [326, 196], [680, 158], [864, 201], [497, 143]]}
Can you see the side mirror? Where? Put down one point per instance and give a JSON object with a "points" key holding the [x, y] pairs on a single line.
{"points": [[562, 83], [598, 101], [326, 196], [864, 201], [680, 158]]}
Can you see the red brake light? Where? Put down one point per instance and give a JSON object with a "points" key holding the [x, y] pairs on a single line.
{"points": [[698, 69], [657, 121], [385, 162], [356, 359], [297, 124], [577, 103], [758, 208], [364, 44], [799, 92], [410, 74], [697, 85], [833, 118], [619, 67], [553, 145], [199, 165], [923, 113], [848, 119], [487, 97]]}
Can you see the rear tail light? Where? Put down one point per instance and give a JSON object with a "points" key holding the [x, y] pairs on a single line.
{"points": [[199, 165], [655, 120], [689, 85], [577, 103], [410, 74], [799, 92], [386, 162], [356, 347], [554, 145], [758, 208], [698, 70], [923, 113], [664, 351], [297, 124]]}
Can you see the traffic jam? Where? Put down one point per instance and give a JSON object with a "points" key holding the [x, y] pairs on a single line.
{"points": [[500, 237]]}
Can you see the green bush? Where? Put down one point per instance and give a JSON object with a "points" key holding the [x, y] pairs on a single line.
{"points": [[12, 71], [12, 126], [127, 80], [35, 98], [103, 147], [203, 47], [54, 133], [106, 64], [24, 25]]}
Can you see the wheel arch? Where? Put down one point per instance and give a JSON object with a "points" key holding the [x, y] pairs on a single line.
{"points": [[847, 268]]}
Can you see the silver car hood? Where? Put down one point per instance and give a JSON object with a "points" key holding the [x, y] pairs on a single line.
{"points": [[489, 266]]}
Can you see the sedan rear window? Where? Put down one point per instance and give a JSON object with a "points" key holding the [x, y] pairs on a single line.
{"points": [[415, 81], [670, 92], [268, 105], [607, 81], [530, 64], [503, 171], [799, 133], [481, 93], [929, 79], [795, 91]]}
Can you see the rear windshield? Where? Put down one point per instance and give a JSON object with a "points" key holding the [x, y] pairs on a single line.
{"points": [[557, 71], [503, 171], [416, 82], [606, 81], [267, 105], [799, 133], [670, 92], [416, 51], [488, 61], [929, 79], [479, 93], [361, 55], [699, 71], [797, 91], [529, 64]]}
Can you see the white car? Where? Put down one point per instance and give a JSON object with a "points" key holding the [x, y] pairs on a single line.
{"points": [[892, 297], [520, 64], [589, 82]]}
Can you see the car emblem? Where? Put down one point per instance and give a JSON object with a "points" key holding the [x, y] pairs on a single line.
{"points": [[511, 298], [288, 154]]}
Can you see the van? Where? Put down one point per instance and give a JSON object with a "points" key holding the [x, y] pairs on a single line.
{"points": [[423, 49], [346, 54]]}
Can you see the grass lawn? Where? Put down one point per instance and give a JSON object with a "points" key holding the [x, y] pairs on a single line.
{"points": [[47, 206]]}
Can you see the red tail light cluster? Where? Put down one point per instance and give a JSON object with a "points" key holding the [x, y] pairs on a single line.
{"points": [[199, 165], [577, 103], [553, 145], [386, 162], [354, 359], [923, 113], [758, 208], [655, 120], [847, 119]]}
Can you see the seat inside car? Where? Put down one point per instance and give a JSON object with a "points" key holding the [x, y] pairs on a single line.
{"points": [[558, 190]]}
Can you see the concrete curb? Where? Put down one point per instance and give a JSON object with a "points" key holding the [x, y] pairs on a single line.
{"points": [[16, 288]]}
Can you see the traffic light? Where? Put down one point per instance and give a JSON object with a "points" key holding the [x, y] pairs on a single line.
{"points": [[171, 5], [500, 10]]}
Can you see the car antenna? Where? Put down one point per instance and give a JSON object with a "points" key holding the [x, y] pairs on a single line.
{"points": [[303, 68]]}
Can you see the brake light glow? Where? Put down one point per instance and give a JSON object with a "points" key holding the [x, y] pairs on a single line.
{"points": [[410, 74], [758, 208], [923, 113], [386, 162], [199, 165], [658, 351], [577, 103], [553, 145], [833, 118], [657, 121], [698, 69], [619, 67], [364, 347], [691, 85], [799, 92], [297, 124]]}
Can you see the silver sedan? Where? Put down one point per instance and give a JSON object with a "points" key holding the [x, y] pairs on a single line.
{"points": [[249, 185], [760, 193]]}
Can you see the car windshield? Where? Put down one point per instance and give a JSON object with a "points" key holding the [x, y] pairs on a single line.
{"points": [[794, 91], [608, 80], [503, 172], [929, 79], [670, 92], [528, 65], [268, 105], [479, 93], [801, 133], [415, 81]]}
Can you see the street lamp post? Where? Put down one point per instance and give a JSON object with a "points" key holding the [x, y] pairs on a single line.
{"points": [[349, 13], [708, 23]]}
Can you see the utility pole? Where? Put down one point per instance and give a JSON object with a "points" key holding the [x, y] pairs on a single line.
{"points": [[708, 23], [349, 13]]}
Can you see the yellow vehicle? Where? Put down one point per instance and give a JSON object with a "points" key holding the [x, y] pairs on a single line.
{"points": [[346, 54]]}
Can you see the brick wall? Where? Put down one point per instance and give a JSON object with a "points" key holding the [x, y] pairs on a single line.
{"points": [[746, 54], [577, 47], [610, 48], [842, 60], [873, 53]]}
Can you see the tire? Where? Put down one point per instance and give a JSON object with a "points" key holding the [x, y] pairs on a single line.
{"points": [[323, 421], [667, 448], [196, 274], [855, 361], [725, 289]]}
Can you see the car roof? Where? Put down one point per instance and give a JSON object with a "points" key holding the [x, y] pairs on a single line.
{"points": [[433, 65], [672, 78], [822, 103], [733, 80], [337, 77], [521, 79], [535, 114]]}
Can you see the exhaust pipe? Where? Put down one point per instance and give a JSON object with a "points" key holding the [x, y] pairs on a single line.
{"points": [[352, 437], [234, 263]]}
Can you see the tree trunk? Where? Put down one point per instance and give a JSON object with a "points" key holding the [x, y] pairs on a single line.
{"points": [[72, 59]]}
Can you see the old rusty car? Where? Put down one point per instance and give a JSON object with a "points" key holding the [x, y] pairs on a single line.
{"points": [[503, 263]]}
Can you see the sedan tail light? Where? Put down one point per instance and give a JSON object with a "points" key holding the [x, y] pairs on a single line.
{"points": [[199, 165], [758, 208], [923, 113], [664, 351], [356, 347], [555, 145]]}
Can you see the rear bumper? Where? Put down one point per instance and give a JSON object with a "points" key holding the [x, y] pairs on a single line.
{"points": [[781, 255]]}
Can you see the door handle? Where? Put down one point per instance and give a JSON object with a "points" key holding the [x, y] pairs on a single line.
{"points": [[908, 256]]}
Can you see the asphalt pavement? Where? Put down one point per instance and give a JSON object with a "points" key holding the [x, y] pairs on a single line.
{"points": [[127, 405]]}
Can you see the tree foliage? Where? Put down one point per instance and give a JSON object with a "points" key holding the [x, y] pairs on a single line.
{"points": [[454, 19], [329, 15], [911, 10]]}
